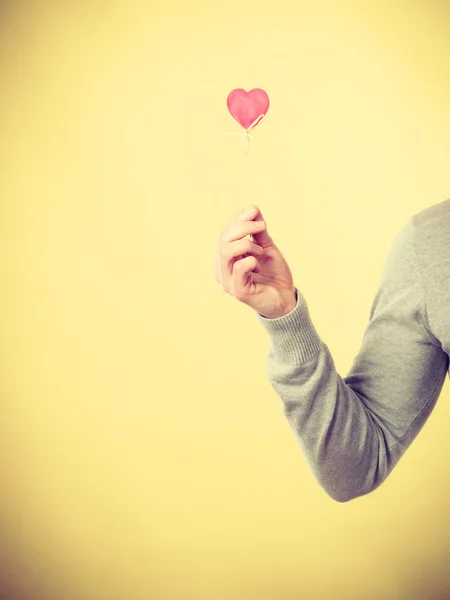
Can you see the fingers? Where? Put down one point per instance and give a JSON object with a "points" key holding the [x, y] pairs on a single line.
{"points": [[234, 246], [238, 248], [248, 213], [232, 252], [241, 279], [262, 237], [238, 229], [239, 223]]}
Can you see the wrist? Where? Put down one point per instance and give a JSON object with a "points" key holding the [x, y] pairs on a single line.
{"points": [[284, 309]]}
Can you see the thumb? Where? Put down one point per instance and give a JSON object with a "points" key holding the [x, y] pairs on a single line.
{"points": [[262, 238]]}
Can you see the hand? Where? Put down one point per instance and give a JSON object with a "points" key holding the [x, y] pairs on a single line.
{"points": [[254, 271]]}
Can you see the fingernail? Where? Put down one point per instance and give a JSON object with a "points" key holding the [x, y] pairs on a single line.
{"points": [[250, 211]]}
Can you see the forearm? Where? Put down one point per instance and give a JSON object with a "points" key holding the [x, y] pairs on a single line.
{"points": [[345, 448], [354, 430]]}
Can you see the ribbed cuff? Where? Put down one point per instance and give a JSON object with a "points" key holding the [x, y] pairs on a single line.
{"points": [[293, 337]]}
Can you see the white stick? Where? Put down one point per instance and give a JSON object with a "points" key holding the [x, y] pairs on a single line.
{"points": [[247, 139]]}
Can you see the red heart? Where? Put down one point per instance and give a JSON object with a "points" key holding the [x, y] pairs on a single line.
{"points": [[246, 107]]}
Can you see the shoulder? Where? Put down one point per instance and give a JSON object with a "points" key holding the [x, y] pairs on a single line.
{"points": [[431, 236], [433, 218], [431, 228]]}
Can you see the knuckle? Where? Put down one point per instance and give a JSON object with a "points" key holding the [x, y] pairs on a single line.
{"points": [[249, 245]]}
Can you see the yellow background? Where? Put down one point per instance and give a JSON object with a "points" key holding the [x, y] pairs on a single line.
{"points": [[143, 451]]}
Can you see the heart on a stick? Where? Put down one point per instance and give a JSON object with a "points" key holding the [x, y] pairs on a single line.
{"points": [[248, 108]]}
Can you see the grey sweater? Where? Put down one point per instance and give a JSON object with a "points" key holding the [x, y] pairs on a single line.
{"points": [[353, 430]]}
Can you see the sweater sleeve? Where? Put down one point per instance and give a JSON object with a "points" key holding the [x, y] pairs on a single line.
{"points": [[353, 430]]}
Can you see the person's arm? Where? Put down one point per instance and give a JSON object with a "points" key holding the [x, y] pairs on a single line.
{"points": [[353, 430]]}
